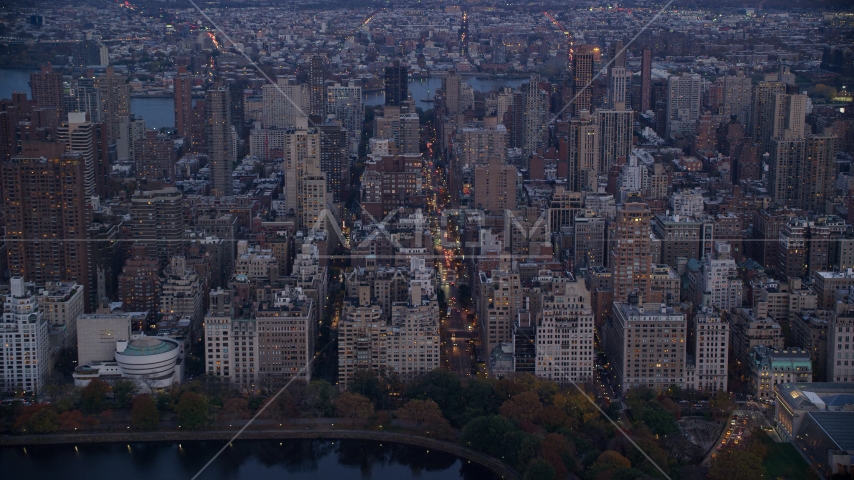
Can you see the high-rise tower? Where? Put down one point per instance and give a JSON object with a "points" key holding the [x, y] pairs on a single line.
{"points": [[617, 76], [78, 135], [84, 97], [317, 87], [115, 101], [762, 115], [683, 103], [47, 92], [582, 75], [631, 258], [183, 104], [46, 215], [396, 82], [219, 137], [646, 80]]}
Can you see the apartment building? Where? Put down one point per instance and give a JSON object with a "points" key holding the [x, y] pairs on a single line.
{"points": [[62, 303], [711, 350], [840, 344], [748, 330], [24, 342], [286, 337], [645, 344], [564, 336]]}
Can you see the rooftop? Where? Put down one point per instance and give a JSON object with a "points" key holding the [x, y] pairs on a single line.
{"points": [[148, 346], [839, 427]]}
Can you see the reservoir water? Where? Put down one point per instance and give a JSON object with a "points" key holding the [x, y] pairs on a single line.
{"points": [[246, 459]]}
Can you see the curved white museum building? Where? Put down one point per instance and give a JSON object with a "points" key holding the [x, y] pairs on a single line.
{"points": [[153, 362]]}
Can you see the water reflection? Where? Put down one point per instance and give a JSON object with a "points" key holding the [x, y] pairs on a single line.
{"points": [[251, 459]]}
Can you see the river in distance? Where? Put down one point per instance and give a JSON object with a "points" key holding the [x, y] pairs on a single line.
{"points": [[245, 459], [160, 112]]}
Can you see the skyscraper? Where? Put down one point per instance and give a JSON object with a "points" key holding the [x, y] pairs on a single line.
{"points": [[589, 240], [46, 216], [47, 91], [631, 258], [333, 158], [396, 82], [157, 221], [131, 129], [683, 103], [317, 87], [582, 75], [238, 115], [105, 154], [784, 174], [197, 128], [154, 156], [83, 96], [302, 169], [458, 96], [115, 101], [790, 113], [646, 80], [408, 139], [495, 186], [345, 102], [583, 153], [617, 76], [535, 133], [820, 169], [78, 135], [514, 120], [788, 150], [284, 105], [183, 84], [451, 86], [614, 135], [219, 137], [762, 122], [736, 97]]}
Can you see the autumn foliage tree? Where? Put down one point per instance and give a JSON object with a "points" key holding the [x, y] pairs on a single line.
{"points": [[539, 469], [143, 413], [354, 406], [93, 397], [611, 464], [425, 413], [559, 452], [123, 392], [736, 465], [192, 410], [235, 409], [38, 418], [70, 420], [523, 407]]}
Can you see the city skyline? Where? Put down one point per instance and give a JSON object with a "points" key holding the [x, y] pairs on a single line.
{"points": [[567, 220]]}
